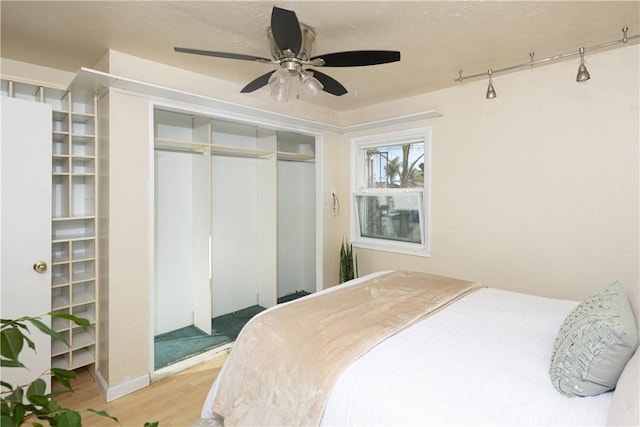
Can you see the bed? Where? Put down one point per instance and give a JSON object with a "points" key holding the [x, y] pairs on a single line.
{"points": [[480, 358]]}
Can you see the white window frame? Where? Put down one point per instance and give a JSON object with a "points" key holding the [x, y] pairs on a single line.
{"points": [[358, 148]]}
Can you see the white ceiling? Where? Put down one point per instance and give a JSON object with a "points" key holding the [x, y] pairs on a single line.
{"points": [[435, 38]]}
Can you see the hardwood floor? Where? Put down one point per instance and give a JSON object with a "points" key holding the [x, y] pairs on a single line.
{"points": [[174, 401]]}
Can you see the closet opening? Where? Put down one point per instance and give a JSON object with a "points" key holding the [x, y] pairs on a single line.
{"points": [[234, 228]]}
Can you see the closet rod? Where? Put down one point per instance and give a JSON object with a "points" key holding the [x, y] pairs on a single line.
{"points": [[190, 151]]}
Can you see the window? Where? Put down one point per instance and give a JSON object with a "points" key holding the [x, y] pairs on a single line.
{"points": [[390, 197]]}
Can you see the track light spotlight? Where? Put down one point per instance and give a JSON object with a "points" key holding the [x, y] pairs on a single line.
{"points": [[491, 92], [583, 74]]}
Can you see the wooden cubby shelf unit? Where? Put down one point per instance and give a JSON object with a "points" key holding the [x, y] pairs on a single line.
{"points": [[74, 258]]}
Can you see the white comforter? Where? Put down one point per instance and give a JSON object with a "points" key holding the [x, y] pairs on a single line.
{"points": [[481, 361]]}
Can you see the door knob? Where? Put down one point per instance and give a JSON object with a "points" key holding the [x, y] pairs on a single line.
{"points": [[40, 267]]}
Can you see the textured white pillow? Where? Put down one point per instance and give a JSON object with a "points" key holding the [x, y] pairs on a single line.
{"points": [[595, 342], [624, 409]]}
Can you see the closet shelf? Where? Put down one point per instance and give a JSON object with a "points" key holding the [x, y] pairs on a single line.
{"points": [[180, 145], [228, 150], [285, 155], [215, 149]]}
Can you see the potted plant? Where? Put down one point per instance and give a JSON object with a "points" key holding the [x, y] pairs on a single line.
{"points": [[348, 262], [28, 402]]}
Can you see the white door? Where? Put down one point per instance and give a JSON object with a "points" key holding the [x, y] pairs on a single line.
{"points": [[25, 226]]}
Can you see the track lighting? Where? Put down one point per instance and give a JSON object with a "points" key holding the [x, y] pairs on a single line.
{"points": [[491, 92], [583, 74]]}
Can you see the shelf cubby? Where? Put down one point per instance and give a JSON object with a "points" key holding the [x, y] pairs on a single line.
{"points": [[60, 164], [83, 107], [60, 297], [57, 98], [83, 195], [71, 229], [58, 324], [82, 271], [60, 147], [60, 196], [60, 275], [84, 293], [61, 361], [82, 337], [82, 124], [58, 347], [83, 249], [86, 311], [60, 252], [83, 357], [83, 146], [83, 165], [60, 123]]}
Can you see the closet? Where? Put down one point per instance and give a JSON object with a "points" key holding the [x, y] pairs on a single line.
{"points": [[234, 227]]}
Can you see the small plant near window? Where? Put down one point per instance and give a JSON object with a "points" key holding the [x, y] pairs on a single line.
{"points": [[28, 402], [348, 263]]}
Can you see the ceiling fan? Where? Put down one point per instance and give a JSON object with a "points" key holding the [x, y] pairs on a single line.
{"points": [[291, 44]]}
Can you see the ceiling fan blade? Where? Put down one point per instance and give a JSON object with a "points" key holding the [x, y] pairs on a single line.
{"points": [[359, 58], [330, 84], [221, 54], [256, 84], [285, 28]]}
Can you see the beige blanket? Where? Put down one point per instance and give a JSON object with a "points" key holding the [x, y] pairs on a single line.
{"points": [[285, 361]]}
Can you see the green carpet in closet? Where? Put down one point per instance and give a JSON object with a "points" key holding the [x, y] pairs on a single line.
{"points": [[174, 346]]}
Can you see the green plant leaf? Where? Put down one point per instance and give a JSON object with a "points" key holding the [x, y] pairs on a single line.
{"points": [[15, 396], [64, 376], [80, 321], [47, 330], [6, 421], [37, 388], [6, 385], [151, 424], [11, 343], [6, 363], [68, 418], [19, 413], [104, 414], [41, 401]]}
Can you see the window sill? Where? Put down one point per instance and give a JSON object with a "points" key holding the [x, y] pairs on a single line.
{"points": [[398, 249]]}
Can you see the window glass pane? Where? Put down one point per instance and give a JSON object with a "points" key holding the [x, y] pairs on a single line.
{"points": [[390, 216], [395, 166]]}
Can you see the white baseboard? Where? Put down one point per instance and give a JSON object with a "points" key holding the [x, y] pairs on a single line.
{"points": [[120, 390]]}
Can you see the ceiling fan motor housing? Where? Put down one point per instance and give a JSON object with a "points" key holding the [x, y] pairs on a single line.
{"points": [[308, 37]]}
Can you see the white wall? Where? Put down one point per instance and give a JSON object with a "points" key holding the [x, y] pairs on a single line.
{"points": [[126, 239], [536, 190]]}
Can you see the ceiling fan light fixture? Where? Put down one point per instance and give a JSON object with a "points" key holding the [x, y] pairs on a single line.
{"points": [[280, 85], [310, 85]]}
